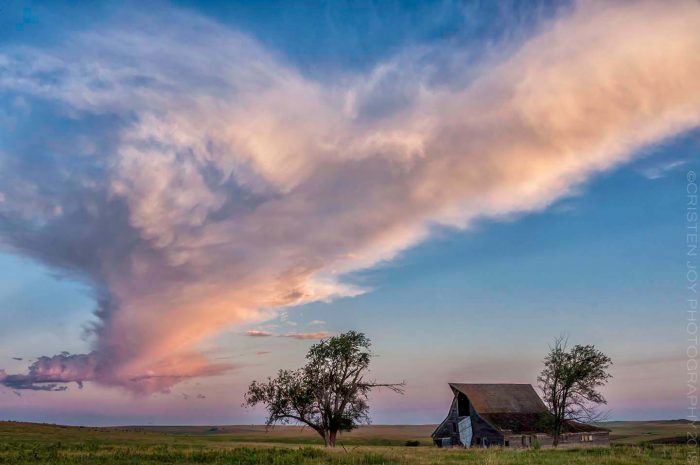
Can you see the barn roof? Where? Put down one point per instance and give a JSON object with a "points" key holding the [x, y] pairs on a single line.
{"points": [[501, 398], [535, 423], [513, 407]]}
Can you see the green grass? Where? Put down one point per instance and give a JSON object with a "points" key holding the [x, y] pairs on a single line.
{"points": [[26, 443], [77, 454]]}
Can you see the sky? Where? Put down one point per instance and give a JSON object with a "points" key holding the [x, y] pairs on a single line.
{"points": [[191, 194]]}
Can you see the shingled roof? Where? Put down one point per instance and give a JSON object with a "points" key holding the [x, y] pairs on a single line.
{"points": [[501, 398]]}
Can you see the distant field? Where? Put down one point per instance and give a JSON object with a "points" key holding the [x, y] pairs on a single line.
{"points": [[635, 432], [374, 435], [27, 443], [623, 432]]}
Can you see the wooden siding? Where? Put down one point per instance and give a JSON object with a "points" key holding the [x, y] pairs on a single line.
{"points": [[569, 440], [448, 428], [484, 433]]}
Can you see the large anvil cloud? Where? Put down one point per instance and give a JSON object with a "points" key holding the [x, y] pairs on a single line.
{"points": [[196, 181]]}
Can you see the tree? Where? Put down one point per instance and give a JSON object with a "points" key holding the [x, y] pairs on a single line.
{"points": [[329, 394], [570, 381]]}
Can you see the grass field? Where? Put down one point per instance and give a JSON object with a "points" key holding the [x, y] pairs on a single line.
{"points": [[26, 443], [635, 432]]}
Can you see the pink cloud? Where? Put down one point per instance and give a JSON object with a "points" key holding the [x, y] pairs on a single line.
{"points": [[257, 333], [230, 185], [317, 335], [313, 335], [46, 373]]}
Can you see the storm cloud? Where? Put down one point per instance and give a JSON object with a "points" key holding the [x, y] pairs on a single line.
{"points": [[196, 181]]}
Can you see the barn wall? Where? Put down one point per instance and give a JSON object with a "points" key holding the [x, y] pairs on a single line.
{"points": [[448, 429], [528, 440], [592, 440], [519, 441], [483, 430], [599, 439]]}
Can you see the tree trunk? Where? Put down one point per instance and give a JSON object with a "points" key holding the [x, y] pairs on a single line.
{"points": [[328, 437], [331, 438], [557, 432], [324, 434]]}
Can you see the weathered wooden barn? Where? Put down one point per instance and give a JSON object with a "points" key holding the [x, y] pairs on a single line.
{"points": [[509, 415]]}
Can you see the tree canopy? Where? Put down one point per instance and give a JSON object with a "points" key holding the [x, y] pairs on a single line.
{"points": [[329, 394], [570, 381]]}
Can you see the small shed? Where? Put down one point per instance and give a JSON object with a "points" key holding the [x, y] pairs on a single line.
{"points": [[508, 415]]}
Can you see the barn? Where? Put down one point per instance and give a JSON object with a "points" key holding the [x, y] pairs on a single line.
{"points": [[509, 415]]}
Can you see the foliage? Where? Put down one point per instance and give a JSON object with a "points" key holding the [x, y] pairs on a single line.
{"points": [[570, 381], [329, 394]]}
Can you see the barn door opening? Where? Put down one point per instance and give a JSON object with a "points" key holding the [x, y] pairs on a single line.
{"points": [[462, 405]]}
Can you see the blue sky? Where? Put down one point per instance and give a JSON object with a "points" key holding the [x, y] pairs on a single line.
{"points": [[469, 286], [605, 267]]}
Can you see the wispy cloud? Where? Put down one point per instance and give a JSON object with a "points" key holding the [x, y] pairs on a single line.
{"points": [[305, 336], [196, 181], [310, 335], [258, 333], [659, 171], [316, 323]]}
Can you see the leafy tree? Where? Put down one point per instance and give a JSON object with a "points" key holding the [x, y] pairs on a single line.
{"points": [[570, 381], [329, 394]]}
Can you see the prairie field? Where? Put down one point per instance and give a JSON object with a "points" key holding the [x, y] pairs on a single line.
{"points": [[27, 443]]}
